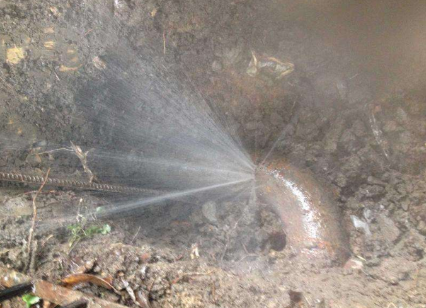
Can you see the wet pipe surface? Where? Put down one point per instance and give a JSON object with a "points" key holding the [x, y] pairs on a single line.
{"points": [[312, 220]]}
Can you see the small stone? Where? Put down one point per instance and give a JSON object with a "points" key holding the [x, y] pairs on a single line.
{"points": [[341, 180], [422, 227], [251, 125], [401, 115], [216, 66], [388, 228], [209, 210], [405, 205], [33, 159], [89, 265], [96, 269], [374, 181], [99, 63]]}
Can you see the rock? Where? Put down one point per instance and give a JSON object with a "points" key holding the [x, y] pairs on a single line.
{"points": [[353, 264], [422, 227], [372, 190], [348, 140], [360, 224], [333, 135], [388, 228], [401, 115], [375, 181], [33, 159], [209, 210], [405, 205], [341, 180], [16, 207], [216, 66]]}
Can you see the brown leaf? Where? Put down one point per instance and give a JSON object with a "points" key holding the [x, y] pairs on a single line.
{"points": [[76, 279]]}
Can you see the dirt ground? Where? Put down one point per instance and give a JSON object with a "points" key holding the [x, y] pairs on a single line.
{"points": [[341, 100]]}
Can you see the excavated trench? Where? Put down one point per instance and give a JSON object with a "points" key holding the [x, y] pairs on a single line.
{"points": [[280, 148]]}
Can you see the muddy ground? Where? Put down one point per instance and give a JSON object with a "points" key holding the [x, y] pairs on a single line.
{"points": [[352, 112]]}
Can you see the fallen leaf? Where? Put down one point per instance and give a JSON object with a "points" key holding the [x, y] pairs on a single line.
{"points": [[76, 279], [49, 44], [14, 55], [64, 68]]}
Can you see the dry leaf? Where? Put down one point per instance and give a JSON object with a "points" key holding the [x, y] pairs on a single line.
{"points": [[76, 279]]}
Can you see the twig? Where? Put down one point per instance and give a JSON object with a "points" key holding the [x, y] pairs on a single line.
{"points": [[164, 42], [214, 292], [55, 150], [31, 267], [136, 234], [83, 159], [87, 32], [31, 252]]}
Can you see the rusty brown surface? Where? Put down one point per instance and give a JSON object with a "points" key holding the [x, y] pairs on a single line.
{"points": [[31, 179], [311, 218], [52, 293]]}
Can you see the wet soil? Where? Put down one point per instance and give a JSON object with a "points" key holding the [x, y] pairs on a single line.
{"points": [[353, 115]]}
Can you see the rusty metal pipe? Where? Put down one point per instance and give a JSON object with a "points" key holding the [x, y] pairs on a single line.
{"points": [[30, 179], [312, 221]]}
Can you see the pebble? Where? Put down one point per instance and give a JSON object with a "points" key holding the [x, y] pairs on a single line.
{"points": [[216, 66]]}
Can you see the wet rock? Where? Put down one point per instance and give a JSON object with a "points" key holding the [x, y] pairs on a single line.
{"points": [[209, 210]]}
